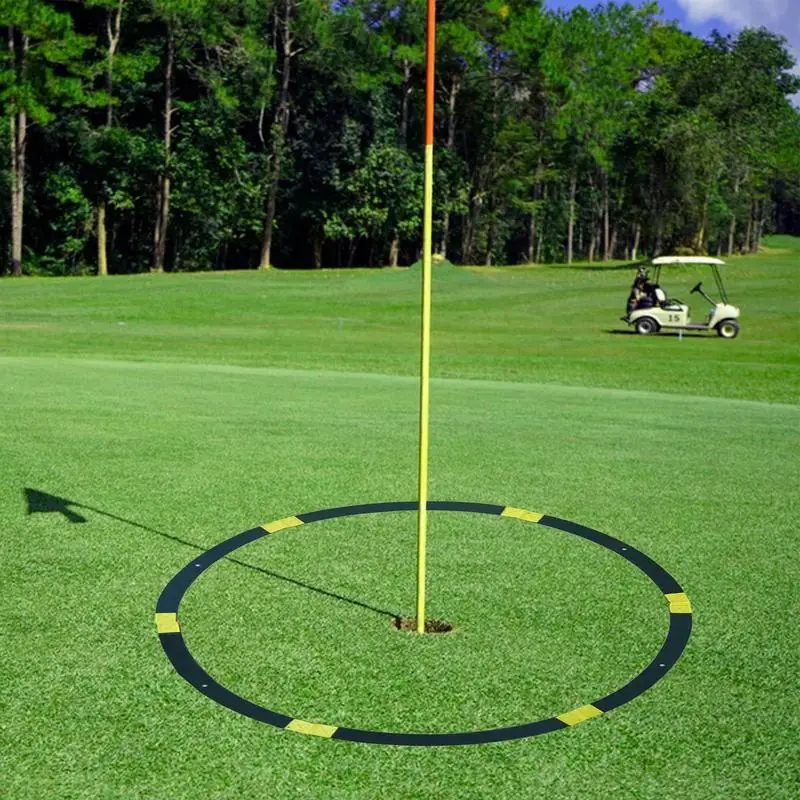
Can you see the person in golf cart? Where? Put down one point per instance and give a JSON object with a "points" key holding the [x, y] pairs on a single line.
{"points": [[644, 294]]}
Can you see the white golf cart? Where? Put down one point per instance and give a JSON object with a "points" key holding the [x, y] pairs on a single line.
{"points": [[649, 309]]}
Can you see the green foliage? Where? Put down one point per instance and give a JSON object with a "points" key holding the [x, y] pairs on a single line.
{"points": [[217, 193], [54, 73], [70, 217], [670, 141], [384, 197]]}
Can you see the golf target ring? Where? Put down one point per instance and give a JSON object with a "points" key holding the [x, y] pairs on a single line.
{"points": [[169, 631]]}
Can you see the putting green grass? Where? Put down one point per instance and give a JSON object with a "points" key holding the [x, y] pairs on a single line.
{"points": [[176, 411]]}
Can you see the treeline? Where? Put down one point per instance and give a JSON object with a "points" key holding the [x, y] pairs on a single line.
{"points": [[225, 134]]}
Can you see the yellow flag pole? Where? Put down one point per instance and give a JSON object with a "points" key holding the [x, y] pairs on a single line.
{"points": [[425, 357]]}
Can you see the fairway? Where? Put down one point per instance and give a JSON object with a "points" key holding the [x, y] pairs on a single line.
{"points": [[174, 411]]}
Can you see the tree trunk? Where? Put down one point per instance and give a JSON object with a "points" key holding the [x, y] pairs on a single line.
{"points": [[731, 234], [265, 261], [700, 238], [177, 251], [470, 225], [404, 99], [163, 195], [732, 228], [317, 244], [445, 234], [612, 247], [451, 139], [18, 150], [592, 244], [394, 247], [466, 238], [113, 25], [531, 237], [279, 131], [573, 187], [490, 234], [606, 237], [532, 223], [102, 255], [653, 216], [540, 243], [491, 173], [19, 147], [352, 252], [637, 237], [749, 233], [659, 237], [759, 231]]}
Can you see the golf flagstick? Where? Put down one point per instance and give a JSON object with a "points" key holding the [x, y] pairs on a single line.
{"points": [[425, 356]]}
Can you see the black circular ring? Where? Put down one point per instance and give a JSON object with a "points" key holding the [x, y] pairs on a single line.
{"points": [[169, 632]]}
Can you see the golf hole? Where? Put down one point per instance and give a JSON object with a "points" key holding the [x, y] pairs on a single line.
{"points": [[431, 625]]}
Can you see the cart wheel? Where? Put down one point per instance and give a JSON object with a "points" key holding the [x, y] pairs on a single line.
{"points": [[728, 329], [645, 325]]}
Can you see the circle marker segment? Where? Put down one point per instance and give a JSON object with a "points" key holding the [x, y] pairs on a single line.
{"points": [[170, 635]]}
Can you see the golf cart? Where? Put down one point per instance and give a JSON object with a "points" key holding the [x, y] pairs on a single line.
{"points": [[649, 309]]}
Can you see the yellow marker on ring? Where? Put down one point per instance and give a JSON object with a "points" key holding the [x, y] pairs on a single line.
{"points": [[282, 524], [521, 513], [311, 728], [167, 623], [578, 715], [678, 603]]}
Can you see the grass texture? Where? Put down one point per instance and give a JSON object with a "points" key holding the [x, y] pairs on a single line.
{"points": [[175, 411]]}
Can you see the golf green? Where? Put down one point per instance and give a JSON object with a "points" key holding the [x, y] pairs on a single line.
{"points": [[150, 418]]}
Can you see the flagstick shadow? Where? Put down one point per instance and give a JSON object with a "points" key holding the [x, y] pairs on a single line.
{"points": [[42, 502]]}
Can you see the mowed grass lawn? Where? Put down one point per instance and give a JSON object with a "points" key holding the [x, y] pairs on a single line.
{"points": [[175, 411]]}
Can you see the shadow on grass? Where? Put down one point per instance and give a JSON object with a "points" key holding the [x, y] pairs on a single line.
{"points": [[41, 502], [673, 334], [577, 266]]}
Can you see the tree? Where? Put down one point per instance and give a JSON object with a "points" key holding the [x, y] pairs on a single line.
{"points": [[384, 198], [298, 27], [194, 134], [41, 70], [461, 57]]}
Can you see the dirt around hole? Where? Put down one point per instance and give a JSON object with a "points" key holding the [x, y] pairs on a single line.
{"points": [[431, 625]]}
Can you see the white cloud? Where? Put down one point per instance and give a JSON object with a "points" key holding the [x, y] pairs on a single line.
{"points": [[778, 15]]}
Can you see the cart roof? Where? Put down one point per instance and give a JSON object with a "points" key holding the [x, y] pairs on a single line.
{"points": [[662, 260]]}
